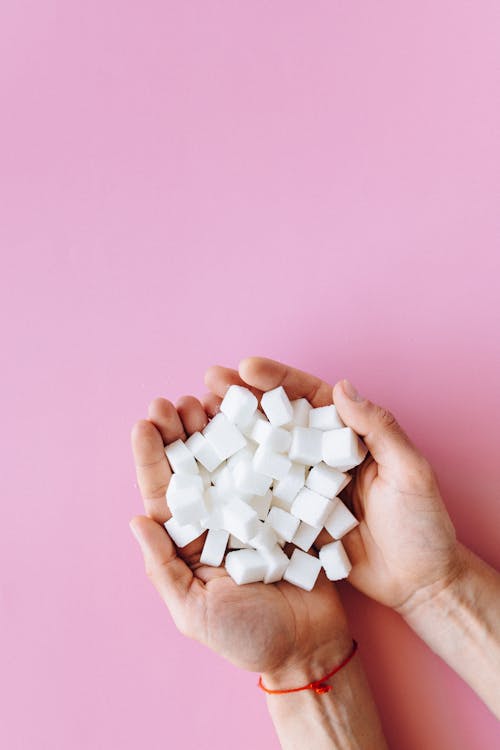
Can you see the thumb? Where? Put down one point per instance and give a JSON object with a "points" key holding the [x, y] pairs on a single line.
{"points": [[384, 438], [169, 574]]}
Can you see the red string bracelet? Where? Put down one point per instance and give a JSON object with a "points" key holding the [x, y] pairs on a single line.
{"points": [[319, 686]]}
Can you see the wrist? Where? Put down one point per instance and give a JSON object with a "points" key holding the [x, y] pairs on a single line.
{"points": [[310, 664], [440, 593]]}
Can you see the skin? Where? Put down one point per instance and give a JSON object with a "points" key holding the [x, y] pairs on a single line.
{"points": [[405, 554]]}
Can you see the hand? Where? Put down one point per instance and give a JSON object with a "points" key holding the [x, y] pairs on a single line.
{"points": [[276, 629], [405, 545]]}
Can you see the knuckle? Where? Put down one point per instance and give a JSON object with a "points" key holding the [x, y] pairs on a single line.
{"points": [[386, 418]]}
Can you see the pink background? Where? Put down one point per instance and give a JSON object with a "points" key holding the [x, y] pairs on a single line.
{"points": [[188, 183]]}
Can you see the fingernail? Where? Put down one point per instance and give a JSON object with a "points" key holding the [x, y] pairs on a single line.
{"points": [[135, 532], [350, 391]]}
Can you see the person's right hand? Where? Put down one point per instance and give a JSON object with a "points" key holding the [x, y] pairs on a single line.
{"points": [[405, 547], [287, 634]]}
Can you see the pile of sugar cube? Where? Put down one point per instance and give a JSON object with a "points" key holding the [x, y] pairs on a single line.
{"points": [[257, 479]]}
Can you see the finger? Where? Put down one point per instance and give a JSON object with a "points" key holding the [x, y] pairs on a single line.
{"points": [[192, 414], [164, 415], [171, 577], [385, 439], [218, 379], [211, 403], [152, 468], [266, 374]]}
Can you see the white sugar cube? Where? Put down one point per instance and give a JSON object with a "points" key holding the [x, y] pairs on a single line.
{"points": [[283, 523], [187, 506], [248, 429], [302, 570], [203, 451], [343, 448], [340, 520], [276, 438], [225, 481], [244, 454], [261, 504], [265, 538], [286, 489], [248, 480], [325, 418], [235, 543], [305, 536], [276, 406], [326, 480], [306, 447], [214, 547], [239, 405], [180, 458], [225, 438], [181, 482], [311, 507], [276, 563], [246, 566], [335, 561], [300, 412], [183, 534], [205, 476], [241, 520], [270, 463]]}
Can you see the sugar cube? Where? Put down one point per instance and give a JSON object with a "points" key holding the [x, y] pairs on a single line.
{"points": [[248, 480], [276, 438], [239, 405], [187, 506], [180, 458], [214, 547], [205, 476], [325, 418], [265, 538], [246, 566], [286, 489], [276, 563], [180, 482], [244, 454], [340, 520], [203, 451], [343, 448], [241, 520], [261, 504], [311, 507], [302, 570], [276, 406], [300, 412], [182, 535], [305, 536], [306, 446], [235, 543], [248, 429], [326, 480], [224, 437], [335, 561], [283, 523], [270, 463]]}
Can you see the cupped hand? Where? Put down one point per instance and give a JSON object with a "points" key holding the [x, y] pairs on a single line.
{"points": [[405, 546], [270, 628]]}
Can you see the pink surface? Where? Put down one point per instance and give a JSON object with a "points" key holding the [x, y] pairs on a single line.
{"points": [[187, 183]]}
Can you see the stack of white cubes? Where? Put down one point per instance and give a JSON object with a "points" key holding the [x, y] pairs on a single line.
{"points": [[258, 479]]}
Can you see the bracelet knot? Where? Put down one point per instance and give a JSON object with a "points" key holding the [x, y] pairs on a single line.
{"points": [[320, 687]]}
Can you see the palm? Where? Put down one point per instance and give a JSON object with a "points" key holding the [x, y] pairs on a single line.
{"points": [[259, 627], [405, 537]]}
